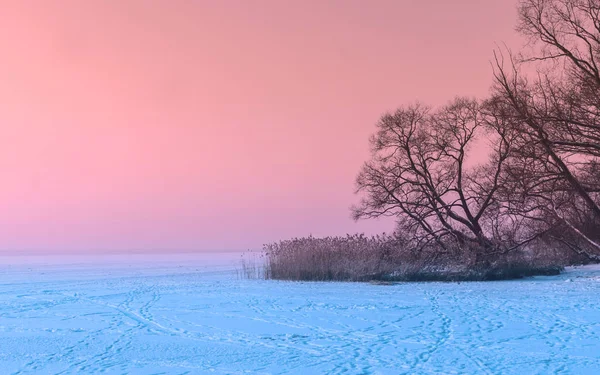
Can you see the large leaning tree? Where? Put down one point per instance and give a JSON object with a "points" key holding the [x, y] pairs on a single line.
{"points": [[438, 172], [550, 96]]}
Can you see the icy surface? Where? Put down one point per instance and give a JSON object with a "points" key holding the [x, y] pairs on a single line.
{"points": [[192, 315]]}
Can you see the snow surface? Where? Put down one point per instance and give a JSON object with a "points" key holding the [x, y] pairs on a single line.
{"points": [[190, 314]]}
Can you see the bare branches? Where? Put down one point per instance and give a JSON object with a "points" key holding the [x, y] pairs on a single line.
{"points": [[556, 113], [564, 29], [543, 168], [418, 172]]}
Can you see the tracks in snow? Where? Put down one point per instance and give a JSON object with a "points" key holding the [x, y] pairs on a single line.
{"points": [[179, 323]]}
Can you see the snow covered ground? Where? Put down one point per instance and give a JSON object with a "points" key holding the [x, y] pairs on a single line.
{"points": [[189, 314]]}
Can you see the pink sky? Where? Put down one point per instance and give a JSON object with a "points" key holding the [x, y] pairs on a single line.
{"points": [[174, 124]]}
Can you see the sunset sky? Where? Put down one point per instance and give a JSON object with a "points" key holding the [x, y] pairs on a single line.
{"points": [[197, 125]]}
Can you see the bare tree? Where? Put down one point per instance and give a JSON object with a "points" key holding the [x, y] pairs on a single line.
{"points": [[553, 174], [542, 175], [420, 172]]}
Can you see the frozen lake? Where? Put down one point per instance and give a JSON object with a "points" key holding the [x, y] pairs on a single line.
{"points": [[190, 314]]}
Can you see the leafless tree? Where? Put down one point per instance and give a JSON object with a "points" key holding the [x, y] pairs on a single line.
{"points": [[424, 172], [553, 176], [542, 175]]}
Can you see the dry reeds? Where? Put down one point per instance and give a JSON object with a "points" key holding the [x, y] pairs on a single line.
{"points": [[385, 258]]}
